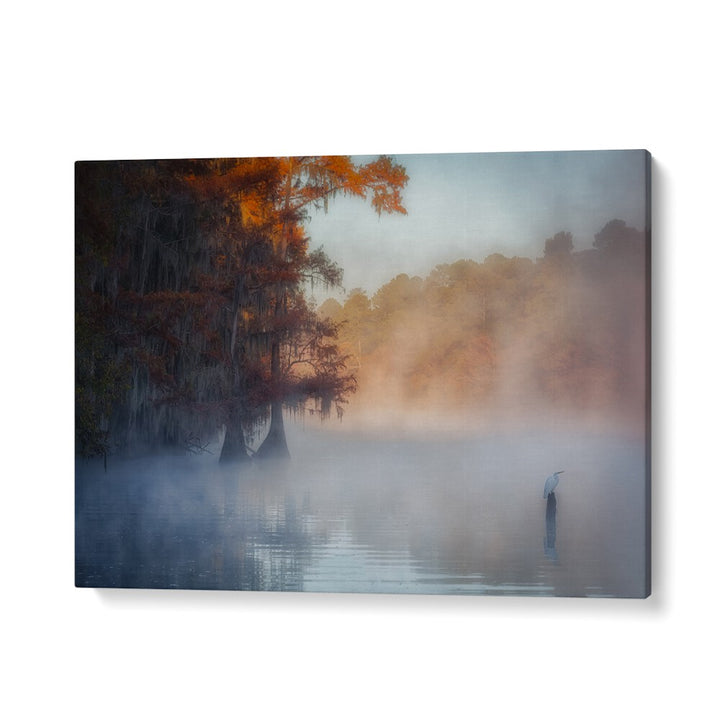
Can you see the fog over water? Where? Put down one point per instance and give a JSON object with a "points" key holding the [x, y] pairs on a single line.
{"points": [[359, 512], [493, 335]]}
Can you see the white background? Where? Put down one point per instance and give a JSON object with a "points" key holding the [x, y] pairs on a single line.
{"points": [[88, 80]]}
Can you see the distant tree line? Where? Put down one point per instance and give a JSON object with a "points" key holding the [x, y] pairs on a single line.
{"points": [[565, 331], [190, 312]]}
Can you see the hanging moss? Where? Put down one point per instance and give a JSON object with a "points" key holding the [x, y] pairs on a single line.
{"points": [[190, 312]]}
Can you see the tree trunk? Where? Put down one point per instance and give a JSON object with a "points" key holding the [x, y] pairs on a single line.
{"points": [[274, 446], [234, 448]]}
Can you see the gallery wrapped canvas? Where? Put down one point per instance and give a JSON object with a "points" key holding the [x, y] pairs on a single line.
{"points": [[409, 374]]}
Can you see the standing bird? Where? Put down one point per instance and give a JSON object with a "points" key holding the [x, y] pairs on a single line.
{"points": [[551, 483]]}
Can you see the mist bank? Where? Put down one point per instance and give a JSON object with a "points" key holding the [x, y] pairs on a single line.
{"points": [[359, 514], [559, 341]]}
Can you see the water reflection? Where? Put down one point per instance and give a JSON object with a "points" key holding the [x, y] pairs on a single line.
{"points": [[420, 518], [207, 531], [550, 528]]}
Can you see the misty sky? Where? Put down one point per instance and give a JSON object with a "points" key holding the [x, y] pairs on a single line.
{"points": [[472, 205]]}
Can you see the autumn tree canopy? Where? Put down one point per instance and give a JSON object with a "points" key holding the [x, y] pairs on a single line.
{"points": [[505, 336], [190, 312]]}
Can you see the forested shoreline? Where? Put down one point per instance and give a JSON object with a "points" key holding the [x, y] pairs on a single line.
{"points": [[525, 341], [192, 313]]}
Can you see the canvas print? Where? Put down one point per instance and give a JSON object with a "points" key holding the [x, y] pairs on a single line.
{"points": [[376, 374]]}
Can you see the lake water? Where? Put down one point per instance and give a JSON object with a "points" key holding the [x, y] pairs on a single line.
{"points": [[353, 513]]}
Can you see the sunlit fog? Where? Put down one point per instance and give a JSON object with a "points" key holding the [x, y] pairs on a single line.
{"points": [[340, 374]]}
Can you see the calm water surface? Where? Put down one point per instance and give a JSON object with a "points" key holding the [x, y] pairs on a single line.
{"points": [[353, 514]]}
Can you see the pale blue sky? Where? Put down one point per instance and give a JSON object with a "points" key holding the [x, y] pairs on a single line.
{"points": [[472, 205]]}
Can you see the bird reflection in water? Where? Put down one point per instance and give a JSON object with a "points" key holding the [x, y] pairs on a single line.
{"points": [[550, 528]]}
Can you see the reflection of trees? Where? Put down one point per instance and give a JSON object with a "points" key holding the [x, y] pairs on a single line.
{"points": [[209, 532], [435, 512]]}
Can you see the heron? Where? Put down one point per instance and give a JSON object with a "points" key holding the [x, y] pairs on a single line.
{"points": [[551, 483]]}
